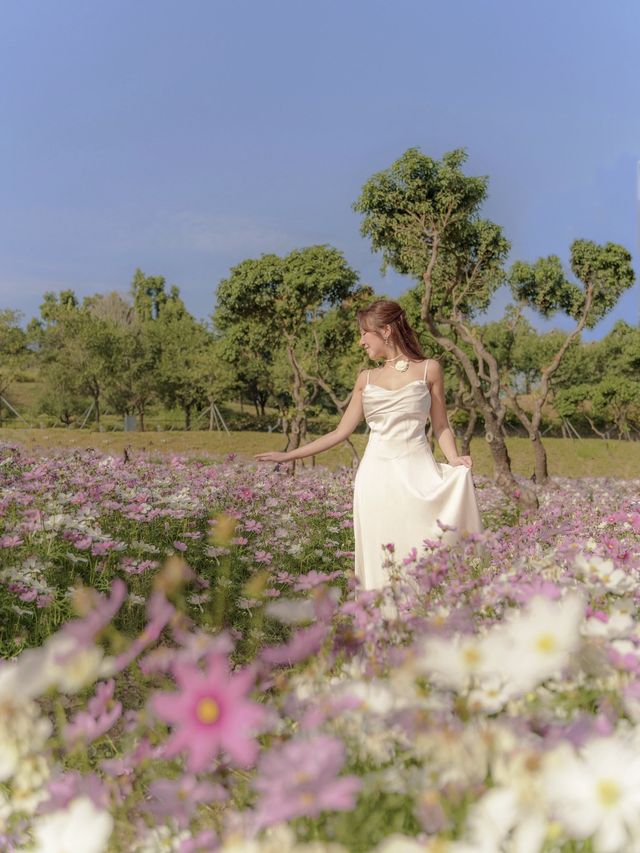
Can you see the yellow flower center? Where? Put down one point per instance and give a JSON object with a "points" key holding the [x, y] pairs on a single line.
{"points": [[546, 643], [608, 792], [471, 656], [207, 710], [307, 798]]}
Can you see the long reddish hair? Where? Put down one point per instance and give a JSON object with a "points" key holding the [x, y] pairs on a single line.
{"points": [[384, 312]]}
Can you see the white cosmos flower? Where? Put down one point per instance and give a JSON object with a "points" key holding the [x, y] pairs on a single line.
{"points": [[498, 822], [595, 792], [538, 642], [457, 756], [290, 610], [23, 730], [620, 622], [512, 658], [375, 696], [64, 663], [453, 662], [61, 662], [80, 828], [601, 572], [491, 695]]}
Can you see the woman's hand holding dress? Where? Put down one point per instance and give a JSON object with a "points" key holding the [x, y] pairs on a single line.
{"points": [[462, 460]]}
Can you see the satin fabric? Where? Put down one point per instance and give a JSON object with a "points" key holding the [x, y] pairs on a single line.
{"points": [[400, 491]]}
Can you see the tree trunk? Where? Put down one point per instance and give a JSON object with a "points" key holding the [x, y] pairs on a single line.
{"points": [[96, 400], [465, 447], [340, 405], [604, 435], [141, 419], [540, 458], [488, 404], [299, 419], [532, 426], [187, 417]]}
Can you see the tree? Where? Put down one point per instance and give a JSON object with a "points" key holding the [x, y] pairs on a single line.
{"points": [[463, 414], [423, 215], [13, 348], [278, 302], [76, 347], [619, 352], [617, 399], [330, 354], [183, 344], [62, 398], [604, 272], [244, 351], [132, 384], [148, 295]]}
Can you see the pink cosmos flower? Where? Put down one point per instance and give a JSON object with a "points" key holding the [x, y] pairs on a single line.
{"points": [[159, 612], [180, 797], [101, 714], [63, 789], [305, 642], [314, 578], [210, 712], [104, 609], [301, 778], [263, 557], [10, 541], [203, 842]]}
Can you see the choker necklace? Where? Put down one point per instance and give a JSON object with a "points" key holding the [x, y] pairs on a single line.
{"points": [[401, 365]]}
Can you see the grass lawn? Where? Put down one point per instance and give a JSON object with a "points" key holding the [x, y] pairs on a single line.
{"points": [[588, 457]]}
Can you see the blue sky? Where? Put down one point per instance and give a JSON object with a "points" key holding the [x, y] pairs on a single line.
{"points": [[183, 137]]}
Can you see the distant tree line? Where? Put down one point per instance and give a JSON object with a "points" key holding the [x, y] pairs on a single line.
{"points": [[283, 331]]}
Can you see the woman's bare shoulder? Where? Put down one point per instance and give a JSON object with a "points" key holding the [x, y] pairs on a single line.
{"points": [[433, 369], [361, 381]]}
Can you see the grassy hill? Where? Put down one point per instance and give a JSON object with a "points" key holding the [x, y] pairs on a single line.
{"points": [[588, 457]]}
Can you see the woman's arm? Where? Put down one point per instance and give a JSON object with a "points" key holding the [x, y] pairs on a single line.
{"points": [[352, 416], [439, 419]]}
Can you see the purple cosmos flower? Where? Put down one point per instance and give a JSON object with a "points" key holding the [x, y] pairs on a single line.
{"points": [[180, 797], [301, 778], [101, 715], [304, 642]]}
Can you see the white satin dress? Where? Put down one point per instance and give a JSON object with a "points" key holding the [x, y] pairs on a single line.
{"points": [[400, 491]]}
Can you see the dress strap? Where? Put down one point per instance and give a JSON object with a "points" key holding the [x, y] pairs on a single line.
{"points": [[426, 364]]}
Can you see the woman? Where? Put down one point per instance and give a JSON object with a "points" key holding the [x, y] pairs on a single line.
{"points": [[401, 494]]}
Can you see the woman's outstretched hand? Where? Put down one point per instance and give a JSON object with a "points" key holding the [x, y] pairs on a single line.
{"points": [[272, 456], [462, 460]]}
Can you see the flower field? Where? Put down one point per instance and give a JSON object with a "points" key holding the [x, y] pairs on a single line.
{"points": [[187, 666]]}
